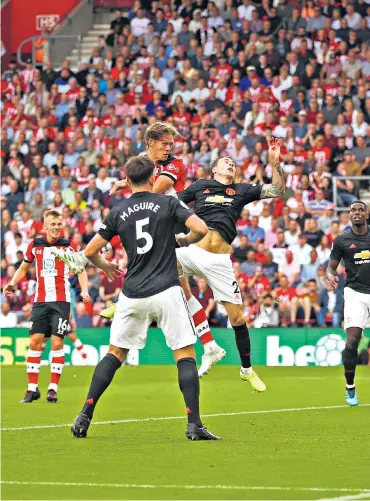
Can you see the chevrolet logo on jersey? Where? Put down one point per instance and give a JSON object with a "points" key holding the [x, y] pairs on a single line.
{"points": [[219, 199], [362, 255]]}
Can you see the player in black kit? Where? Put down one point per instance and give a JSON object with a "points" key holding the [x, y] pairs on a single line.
{"points": [[353, 246], [151, 292], [219, 202]]}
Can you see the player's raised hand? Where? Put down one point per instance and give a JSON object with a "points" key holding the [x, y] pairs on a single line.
{"points": [[118, 186], [274, 151], [111, 271], [333, 283], [8, 290]]}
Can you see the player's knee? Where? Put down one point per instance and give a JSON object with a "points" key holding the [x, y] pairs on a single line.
{"points": [[236, 318], [120, 353], [57, 343], [36, 342], [186, 352], [353, 338]]}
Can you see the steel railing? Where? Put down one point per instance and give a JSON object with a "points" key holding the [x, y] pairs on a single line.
{"points": [[50, 40], [335, 188]]}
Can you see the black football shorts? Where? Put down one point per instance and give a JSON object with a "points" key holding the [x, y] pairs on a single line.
{"points": [[50, 318]]}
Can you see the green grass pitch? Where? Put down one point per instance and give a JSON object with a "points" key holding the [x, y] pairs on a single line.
{"points": [[317, 453]]}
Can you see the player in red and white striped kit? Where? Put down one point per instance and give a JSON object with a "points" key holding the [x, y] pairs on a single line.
{"points": [[51, 308], [170, 179]]}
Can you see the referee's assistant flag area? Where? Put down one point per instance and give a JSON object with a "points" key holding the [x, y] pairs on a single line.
{"points": [[298, 440]]}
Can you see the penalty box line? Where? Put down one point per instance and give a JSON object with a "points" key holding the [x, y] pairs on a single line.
{"points": [[172, 418], [362, 492]]}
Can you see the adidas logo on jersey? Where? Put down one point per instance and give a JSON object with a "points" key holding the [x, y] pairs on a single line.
{"points": [[352, 246], [206, 192]]}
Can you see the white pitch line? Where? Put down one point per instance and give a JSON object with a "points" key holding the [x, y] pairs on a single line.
{"points": [[363, 495], [189, 487], [171, 418]]}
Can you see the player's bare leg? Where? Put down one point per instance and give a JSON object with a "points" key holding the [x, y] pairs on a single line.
{"points": [[294, 305], [103, 375], [56, 367], [189, 386], [306, 305], [77, 343], [349, 356], [33, 368], [243, 343], [213, 353]]}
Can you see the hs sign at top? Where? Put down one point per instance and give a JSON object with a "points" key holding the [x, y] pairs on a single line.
{"points": [[47, 22]]}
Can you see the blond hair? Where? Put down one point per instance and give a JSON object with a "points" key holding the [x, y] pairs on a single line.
{"points": [[159, 129], [51, 213]]}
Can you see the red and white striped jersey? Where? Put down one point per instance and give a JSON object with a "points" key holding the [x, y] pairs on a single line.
{"points": [[27, 77], [52, 273], [174, 169]]}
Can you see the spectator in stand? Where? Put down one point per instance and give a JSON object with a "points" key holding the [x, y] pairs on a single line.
{"points": [[8, 319], [270, 269], [307, 299], [284, 295], [241, 251], [301, 250], [291, 235], [249, 266], [331, 304], [346, 187], [278, 250], [258, 283], [312, 232], [323, 250], [271, 236], [309, 270], [205, 296], [254, 233], [83, 320], [290, 267], [267, 315]]}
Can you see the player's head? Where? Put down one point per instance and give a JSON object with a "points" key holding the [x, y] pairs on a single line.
{"points": [[358, 213], [53, 224], [139, 171], [159, 138], [223, 167]]}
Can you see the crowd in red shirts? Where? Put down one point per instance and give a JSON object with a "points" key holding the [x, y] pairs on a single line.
{"points": [[229, 74]]}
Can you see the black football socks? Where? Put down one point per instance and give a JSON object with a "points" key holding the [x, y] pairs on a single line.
{"points": [[243, 343], [189, 386], [349, 357], [102, 378]]}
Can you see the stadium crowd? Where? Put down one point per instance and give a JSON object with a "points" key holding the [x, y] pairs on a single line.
{"points": [[229, 75]]}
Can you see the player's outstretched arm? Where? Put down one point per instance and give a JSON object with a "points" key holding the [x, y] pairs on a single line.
{"points": [[84, 284], [277, 187], [17, 277], [92, 253], [198, 230], [163, 184], [118, 186]]}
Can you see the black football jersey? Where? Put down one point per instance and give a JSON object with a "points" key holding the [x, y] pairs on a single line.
{"points": [[145, 224], [220, 205], [355, 252]]}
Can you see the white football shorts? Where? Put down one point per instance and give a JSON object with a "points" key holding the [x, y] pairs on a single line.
{"points": [[216, 269], [169, 309], [356, 308]]}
